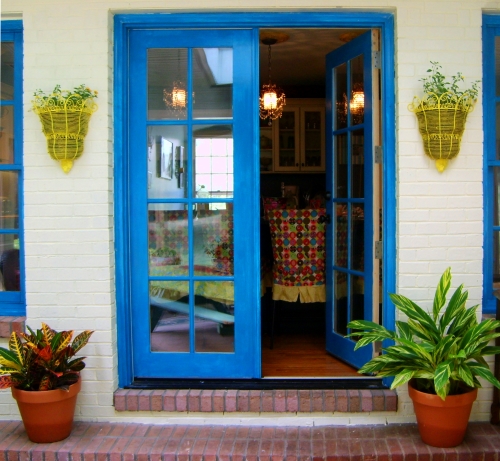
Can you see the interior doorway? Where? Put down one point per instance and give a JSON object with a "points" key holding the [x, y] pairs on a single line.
{"points": [[296, 345]]}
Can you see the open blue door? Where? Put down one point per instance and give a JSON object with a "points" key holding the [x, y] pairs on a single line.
{"points": [[350, 205], [192, 284]]}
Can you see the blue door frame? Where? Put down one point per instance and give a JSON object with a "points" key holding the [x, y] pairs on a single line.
{"points": [[124, 24], [491, 30], [336, 343]]}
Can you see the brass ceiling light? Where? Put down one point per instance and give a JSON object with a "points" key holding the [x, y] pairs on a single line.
{"points": [[272, 98]]}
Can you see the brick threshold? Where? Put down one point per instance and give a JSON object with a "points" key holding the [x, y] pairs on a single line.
{"points": [[326, 401], [144, 442]]}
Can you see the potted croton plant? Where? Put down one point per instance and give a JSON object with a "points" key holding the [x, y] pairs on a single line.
{"points": [[44, 376], [439, 354]]}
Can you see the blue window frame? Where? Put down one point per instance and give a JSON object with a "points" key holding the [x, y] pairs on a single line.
{"points": [[491, 120], [125, 26], [12, 296]]}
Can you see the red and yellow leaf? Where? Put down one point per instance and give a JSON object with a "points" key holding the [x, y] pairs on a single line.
{"points": [[48, 333], [65, 341], [81, 340], [16, 346], [5, 382]]}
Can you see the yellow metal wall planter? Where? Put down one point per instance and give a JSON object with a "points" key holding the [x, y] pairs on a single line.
{"points": [[65, 120], [441, 122]]}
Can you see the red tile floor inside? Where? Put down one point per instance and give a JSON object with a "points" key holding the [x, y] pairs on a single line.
{"points": [[143, 442]]}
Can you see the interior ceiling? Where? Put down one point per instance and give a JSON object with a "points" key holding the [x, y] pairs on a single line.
{"points": [[300, 61]]}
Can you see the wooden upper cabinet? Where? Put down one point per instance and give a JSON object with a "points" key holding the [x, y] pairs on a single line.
{"points": [[298, 138]]}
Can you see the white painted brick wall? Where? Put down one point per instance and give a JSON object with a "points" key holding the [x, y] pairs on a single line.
{"points": [[69, 218]]}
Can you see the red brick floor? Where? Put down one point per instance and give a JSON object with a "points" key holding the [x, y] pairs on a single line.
{"points": [[144, 442]]}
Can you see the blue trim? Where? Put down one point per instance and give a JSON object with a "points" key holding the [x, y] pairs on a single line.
{"points": [[123, 314], [333, 18], [14, 303], [336, 343], [491, 29]]}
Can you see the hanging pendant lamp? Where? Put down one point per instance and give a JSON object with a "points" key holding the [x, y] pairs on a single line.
{"points": [[176, 99], [272, 98]]}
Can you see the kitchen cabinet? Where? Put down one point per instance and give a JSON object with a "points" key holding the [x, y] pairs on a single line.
{"points": [[296, 141]]}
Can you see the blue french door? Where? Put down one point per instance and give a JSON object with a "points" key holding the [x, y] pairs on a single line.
{"points": [[350, 236], [192, 278]]}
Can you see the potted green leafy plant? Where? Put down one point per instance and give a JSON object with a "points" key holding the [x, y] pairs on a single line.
{"points": [[65, 116], [163, 257], [439, 354], [442, 113], [44, 377]]}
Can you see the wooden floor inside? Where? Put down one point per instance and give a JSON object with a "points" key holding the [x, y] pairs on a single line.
{"points": [[299, 344], [301, 355]]}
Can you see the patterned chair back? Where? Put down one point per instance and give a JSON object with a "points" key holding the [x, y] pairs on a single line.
{"points": [[217, 231], [299, 251], [168, 229]]}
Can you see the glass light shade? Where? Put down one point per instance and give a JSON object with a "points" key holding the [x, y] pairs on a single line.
{"points": [[179, 97], [271, 102], [357, 102]]}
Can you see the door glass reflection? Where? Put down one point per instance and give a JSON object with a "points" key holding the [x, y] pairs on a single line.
{"points": [[213, 83], [9, 263], [167, 84], [357, 237], [167, 162], [7, 73], [7, 134], [213, 162], [213, 240], [169, 316], [168, 240], [357, 161], [214, 316], [357, 98], [340, 118], [341, 158]]}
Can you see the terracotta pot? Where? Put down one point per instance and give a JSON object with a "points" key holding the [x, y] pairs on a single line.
{"points": [[442, 423], [47, 415]]}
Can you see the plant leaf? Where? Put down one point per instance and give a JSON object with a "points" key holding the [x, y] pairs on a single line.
{"points": [[404, 330], [82, 339], [16, 346], [455, 306], [441, 291], [9, 357], [413, 311], [442, 377], [5, 382], [465, 374], [402, 378], [483, 372]]}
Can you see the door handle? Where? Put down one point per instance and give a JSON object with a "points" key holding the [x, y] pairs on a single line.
{"points": [[325, 219]]}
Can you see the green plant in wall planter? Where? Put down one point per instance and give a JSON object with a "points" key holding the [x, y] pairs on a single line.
{"points": [[439, 354], [65, 116], [44, 376], [442, 113]]}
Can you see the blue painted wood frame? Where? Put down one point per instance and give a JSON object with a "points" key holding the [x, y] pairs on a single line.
{"points": [[123, 24], [240, 363], [336, 343], [491, 29], [13, 303]]}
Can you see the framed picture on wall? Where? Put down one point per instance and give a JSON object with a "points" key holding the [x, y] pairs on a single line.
{"points": [[179, 166], [166, 159]]}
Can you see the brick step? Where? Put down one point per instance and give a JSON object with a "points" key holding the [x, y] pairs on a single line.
{"points": [[145, 442], [256, 401]]}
